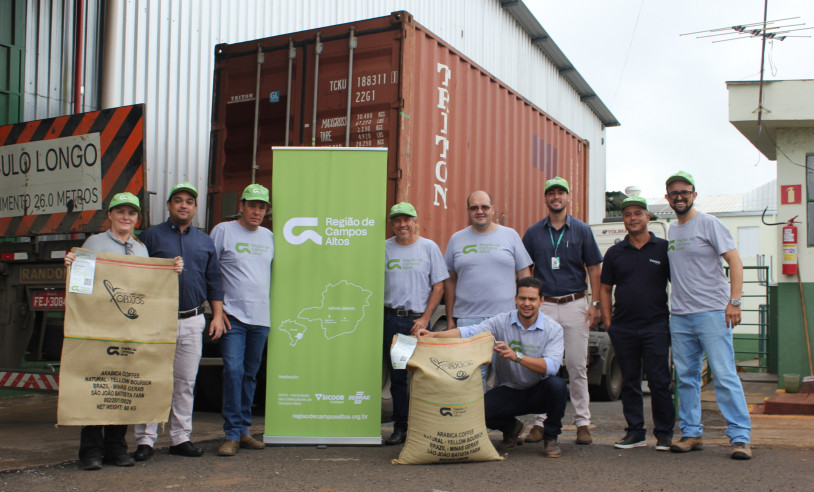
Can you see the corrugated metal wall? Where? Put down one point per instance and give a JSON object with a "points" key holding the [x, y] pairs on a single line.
{"points": [[49, 58], [163, 54]]}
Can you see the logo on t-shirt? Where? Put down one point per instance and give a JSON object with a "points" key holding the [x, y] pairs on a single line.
{"points": [[252, 249], [393, 265], [679, 244], [483, 248]]}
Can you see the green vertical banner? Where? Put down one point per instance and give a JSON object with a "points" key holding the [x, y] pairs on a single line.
{"points": [[327, 296]]}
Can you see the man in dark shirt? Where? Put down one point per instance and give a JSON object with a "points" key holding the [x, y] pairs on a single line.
{"points": [[639, 328], [563, 248], [200, 281]]}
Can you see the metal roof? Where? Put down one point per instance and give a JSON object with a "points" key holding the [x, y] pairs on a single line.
{"points": [[751, 203], [541, 39]]}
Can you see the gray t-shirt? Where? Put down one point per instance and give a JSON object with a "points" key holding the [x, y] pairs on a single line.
{"points": [[699, 284], [410, 272], [245, 261], [106, 242], [486, 265], [542, 339]]}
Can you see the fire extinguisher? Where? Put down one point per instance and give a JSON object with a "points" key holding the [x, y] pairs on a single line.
{"points": [[790, 248]]}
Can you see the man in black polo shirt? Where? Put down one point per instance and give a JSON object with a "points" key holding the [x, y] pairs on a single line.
{"points": [[640, 327]]}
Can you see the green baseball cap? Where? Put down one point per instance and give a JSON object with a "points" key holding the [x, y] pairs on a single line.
{"points": [[681, 176], [634, 200], [256, 192], [403, 208], [185, 186], [125, 199], [557, 181]]}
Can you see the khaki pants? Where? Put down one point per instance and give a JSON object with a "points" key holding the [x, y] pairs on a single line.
{"points": [[185, 370], [575, 330]]}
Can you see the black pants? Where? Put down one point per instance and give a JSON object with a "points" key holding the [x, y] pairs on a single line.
{"points": [[399, 390], [647, 348], [502, 404], [99, 441]]}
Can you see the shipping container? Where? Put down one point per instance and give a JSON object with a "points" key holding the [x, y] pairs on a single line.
{"points": [[449, 125]]}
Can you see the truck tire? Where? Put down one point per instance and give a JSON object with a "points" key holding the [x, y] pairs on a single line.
{"points": [[611, 385]]}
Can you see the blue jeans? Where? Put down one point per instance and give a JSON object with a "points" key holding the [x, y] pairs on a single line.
{"points": [[242, 351], [394, 325], [484, 370], [692, 335]]}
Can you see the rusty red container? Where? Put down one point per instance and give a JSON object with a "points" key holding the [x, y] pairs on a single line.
{"points": [[450, 127]]}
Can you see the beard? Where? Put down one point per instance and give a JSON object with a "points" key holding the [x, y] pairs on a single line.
{"points": [[689, 207]]}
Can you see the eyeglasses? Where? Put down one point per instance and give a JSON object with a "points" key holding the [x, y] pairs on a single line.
{"points": [[683, 193], [475, 208]]}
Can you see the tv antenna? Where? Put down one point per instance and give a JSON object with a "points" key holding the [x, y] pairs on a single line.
{"points": [[777, 29]]}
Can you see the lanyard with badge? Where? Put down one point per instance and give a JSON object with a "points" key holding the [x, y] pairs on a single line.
{"points": [[555, 260]]}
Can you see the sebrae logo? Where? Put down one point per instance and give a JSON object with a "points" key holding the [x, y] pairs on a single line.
{"points": [[394, 265], [119, 297], [295, 239], [450, 367]]}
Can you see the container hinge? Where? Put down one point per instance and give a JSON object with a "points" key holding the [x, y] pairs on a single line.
{"points": [[395, 175]]}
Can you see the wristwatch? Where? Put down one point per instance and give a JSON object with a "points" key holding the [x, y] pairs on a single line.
{"points": [[735, 302], [595, 304], [519, 356]]}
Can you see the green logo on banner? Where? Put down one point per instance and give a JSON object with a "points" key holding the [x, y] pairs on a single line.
{"points": [[393, 265]]}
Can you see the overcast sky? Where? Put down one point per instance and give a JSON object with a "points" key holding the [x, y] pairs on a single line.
{"points": [[669, 91]]}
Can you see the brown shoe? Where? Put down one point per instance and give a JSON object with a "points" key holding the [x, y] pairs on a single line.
{"points": [[584, 435], [687, 444], [552, 449], [741, 451], [510, 438], [248, 442], [535, 434], [228, 448]]}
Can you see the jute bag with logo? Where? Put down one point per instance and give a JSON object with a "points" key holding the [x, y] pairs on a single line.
{"points": [[446, 421], [119, 343]]}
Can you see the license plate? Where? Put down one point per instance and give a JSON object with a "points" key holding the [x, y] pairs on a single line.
{"points": [[48, 300]]}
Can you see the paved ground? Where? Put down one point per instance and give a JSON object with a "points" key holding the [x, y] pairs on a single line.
{"points": [[36, 455]]}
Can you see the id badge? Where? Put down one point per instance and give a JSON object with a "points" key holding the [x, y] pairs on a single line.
{"points": [[555, 262]]}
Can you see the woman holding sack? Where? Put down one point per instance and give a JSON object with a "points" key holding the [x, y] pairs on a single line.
{"points": [[98, 443]]}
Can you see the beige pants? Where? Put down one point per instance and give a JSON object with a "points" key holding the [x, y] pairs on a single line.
{"points": [[185, 370], [575, 329]]}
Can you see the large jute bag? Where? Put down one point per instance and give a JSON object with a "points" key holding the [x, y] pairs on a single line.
{"points": [[446, 420], [119, 346]]}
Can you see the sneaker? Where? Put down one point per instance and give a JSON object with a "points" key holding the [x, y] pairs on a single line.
{"points": [[510, 438], [741, 451], [630, 441], [535, 434], [551, 449], [228, 448], [663, 443], [687, 444], [584, 435], [248, 442]]}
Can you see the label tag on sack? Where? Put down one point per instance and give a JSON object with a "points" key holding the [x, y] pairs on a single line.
{"points": [[402, 350], [82, 272]]}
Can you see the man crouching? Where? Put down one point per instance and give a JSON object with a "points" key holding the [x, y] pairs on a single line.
{"points": [[530, 347]]}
